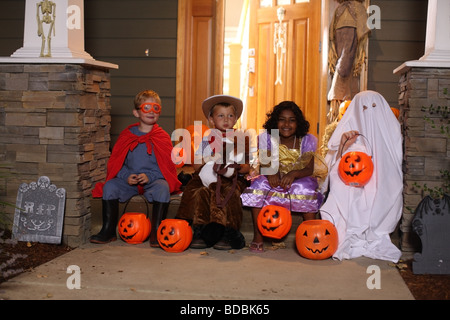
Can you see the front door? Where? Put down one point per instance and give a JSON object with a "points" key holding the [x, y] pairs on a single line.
{"points": [[287, 58]]}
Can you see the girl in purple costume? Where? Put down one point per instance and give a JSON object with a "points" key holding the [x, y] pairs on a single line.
{"points": [[296, 184]]}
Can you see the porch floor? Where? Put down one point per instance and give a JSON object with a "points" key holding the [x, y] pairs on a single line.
{"points": [[122, 271]]}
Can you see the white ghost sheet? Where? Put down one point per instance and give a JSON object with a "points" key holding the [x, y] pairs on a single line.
{"points": [[365, 217]]}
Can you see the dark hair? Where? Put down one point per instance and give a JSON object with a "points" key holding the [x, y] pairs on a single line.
{"points": [[274, 115]]}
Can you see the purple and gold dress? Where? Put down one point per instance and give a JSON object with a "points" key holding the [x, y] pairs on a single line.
{"points": [[304, 194]]}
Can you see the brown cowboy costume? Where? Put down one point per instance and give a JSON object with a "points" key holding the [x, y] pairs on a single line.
{"points": [[215, 211]]}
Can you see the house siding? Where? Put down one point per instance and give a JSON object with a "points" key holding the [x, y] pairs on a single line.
{"points": [[119, 32], [401, 38]]}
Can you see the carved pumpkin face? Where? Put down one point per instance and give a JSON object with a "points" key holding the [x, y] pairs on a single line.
{"points": [[134, 227], [174, 235], [355, 168], [274, 221], [316, 239]]}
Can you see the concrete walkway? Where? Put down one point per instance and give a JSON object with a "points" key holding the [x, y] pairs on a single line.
{"points": [[122, 271]]}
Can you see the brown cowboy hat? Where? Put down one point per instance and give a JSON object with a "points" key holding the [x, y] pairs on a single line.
{"points": [[218, 99]]}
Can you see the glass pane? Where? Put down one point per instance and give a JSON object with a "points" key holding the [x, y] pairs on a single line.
{"points": [[283, 2], [301, 1], [265, 3]]}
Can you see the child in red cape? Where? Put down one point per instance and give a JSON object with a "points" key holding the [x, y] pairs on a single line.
{"points": [[140, 163]]}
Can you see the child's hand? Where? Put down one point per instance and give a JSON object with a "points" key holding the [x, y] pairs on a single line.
{"points": [[274, 180], [142, 178], [347, 139], [134, 179], [287, 180]]}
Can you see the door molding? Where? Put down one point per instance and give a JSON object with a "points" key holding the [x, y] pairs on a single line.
{"points": [[199, 57]]}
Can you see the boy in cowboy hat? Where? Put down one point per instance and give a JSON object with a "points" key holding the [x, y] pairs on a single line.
{"points": [[211, 200]]}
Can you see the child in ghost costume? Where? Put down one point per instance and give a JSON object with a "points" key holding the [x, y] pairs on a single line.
{"points": [[365, 216]]}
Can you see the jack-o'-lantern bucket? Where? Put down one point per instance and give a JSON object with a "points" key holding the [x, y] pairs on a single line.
{"points": [[355, 168], [134, 227], [274, 221], [316, 239], [174, 235]]}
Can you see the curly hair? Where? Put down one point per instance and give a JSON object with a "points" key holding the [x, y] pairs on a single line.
{"points": [[274, 115]]}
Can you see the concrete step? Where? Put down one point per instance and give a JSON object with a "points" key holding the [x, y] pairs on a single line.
{"points": [[137, 204]]}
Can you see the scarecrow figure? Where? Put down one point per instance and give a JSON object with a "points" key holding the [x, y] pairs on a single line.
{"points": [[346, 56]]}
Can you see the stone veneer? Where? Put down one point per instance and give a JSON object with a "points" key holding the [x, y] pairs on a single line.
{"points": [[426, 150], [55, 121]]}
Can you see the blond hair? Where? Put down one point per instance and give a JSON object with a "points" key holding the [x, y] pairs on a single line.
{"points": [[144, 95]]}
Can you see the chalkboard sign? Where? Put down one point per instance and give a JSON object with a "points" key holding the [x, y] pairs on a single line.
{"points": [[39, 213]]}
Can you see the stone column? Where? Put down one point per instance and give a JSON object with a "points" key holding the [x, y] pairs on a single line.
{"points": [[55, 121], [424, 83], [55, 113]]}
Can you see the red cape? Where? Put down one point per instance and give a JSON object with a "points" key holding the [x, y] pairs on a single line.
{"points": [[127, 141]]}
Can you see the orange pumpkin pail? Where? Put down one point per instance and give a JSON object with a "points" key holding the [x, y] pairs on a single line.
{"points": [[355, 168], [274, 221], [174, 235], [134, 227], [316, 239]]}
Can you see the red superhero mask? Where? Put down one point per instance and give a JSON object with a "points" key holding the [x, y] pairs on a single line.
{"points": [[150, 107]]}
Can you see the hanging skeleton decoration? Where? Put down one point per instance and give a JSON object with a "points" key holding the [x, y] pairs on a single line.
{"points": [[279, 43], [48, 11]]}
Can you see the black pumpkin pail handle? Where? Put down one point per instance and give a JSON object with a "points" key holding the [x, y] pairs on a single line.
{"points": [[145, 200], [368, 143]]}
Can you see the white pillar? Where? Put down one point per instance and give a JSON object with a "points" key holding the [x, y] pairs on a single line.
{"points": [[437, 44], [67, 41]]}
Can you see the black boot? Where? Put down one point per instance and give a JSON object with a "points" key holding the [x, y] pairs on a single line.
{"points": [[110, 215], [212, 233], [197, 241], [159, 213]]}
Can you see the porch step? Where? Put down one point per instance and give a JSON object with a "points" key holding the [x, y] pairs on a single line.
{"points": [[137, 204]]}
